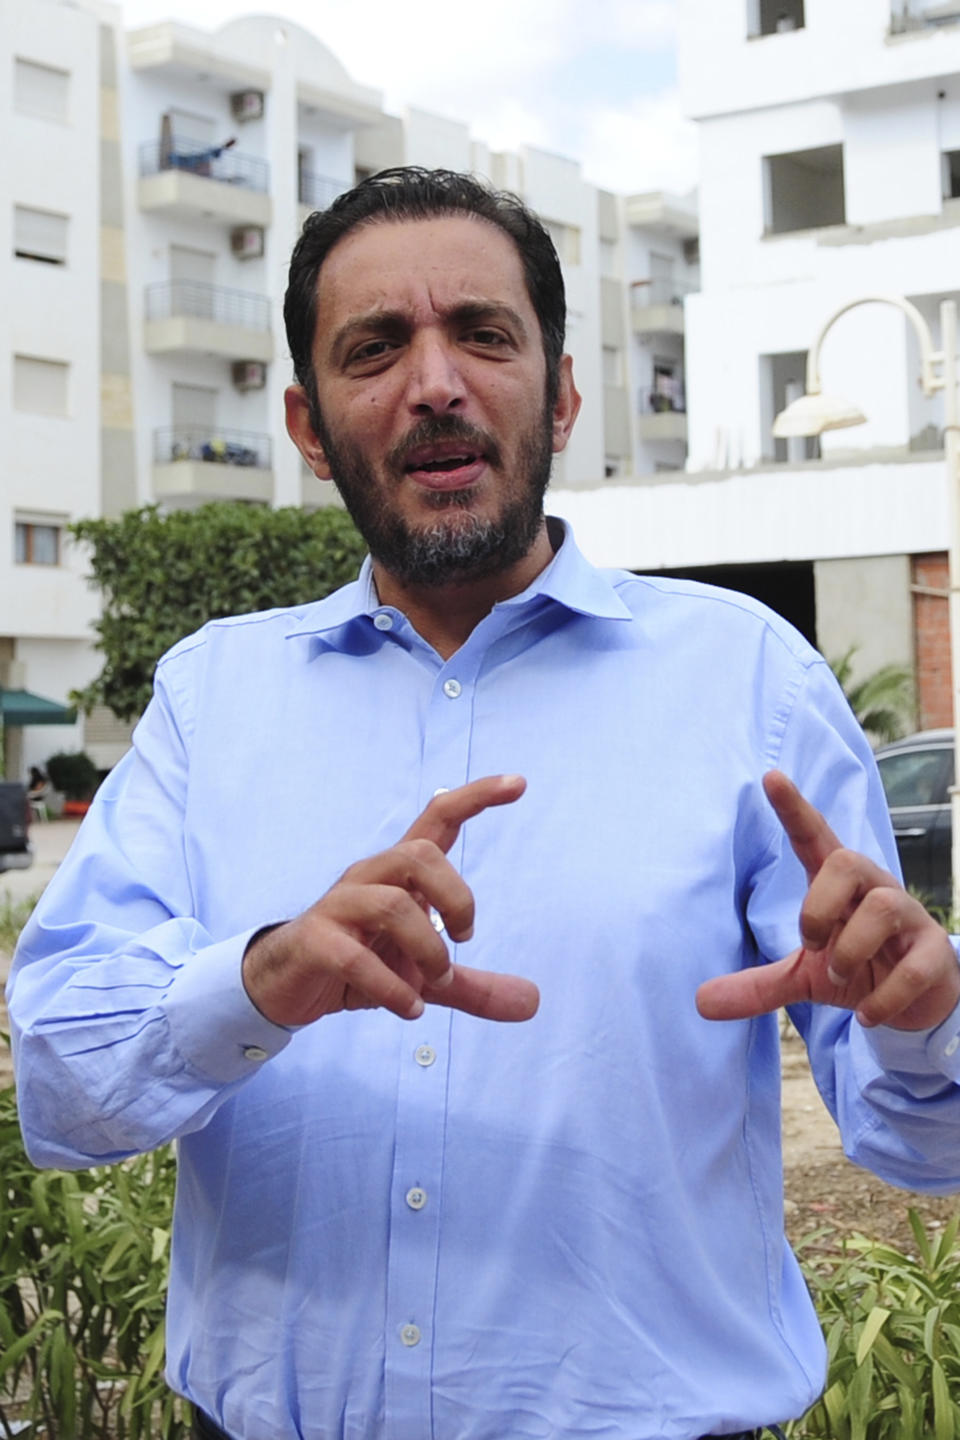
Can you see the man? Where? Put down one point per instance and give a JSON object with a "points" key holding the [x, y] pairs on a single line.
{"points": [[399, 1218]]}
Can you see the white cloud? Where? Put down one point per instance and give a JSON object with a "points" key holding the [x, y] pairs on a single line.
{"points": [[648, 146], [644, 24]]}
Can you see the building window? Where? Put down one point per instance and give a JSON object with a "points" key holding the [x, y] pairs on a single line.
{"points": [[783, 380], [40, 386], [774, 17], [950, 160], [39, 235], [36, 542], [41, 90], [612, 365], [804, 190], [566, 241]]}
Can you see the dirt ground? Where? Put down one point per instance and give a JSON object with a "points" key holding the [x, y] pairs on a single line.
{"points": [[822, 1188]]}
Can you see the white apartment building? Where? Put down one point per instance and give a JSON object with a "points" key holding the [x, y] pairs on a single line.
{"points": [[156, 184], [830, 169]]}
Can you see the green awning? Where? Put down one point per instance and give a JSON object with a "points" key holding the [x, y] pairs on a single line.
{"points": [[22, 707]]}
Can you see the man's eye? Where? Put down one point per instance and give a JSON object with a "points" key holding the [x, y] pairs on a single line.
{"points": [[371, 350], [487, 337]]}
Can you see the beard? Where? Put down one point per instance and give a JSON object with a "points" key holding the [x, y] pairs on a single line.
{"points": [[458, 546]]}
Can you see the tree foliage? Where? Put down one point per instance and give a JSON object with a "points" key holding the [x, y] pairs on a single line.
{"points": [[883, 701], [162, 576]]}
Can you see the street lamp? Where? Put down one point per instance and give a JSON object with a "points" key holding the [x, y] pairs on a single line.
{"points": [[815, 412]]}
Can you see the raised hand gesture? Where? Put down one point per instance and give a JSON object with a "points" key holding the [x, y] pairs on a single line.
{"points": [[867, 945]]}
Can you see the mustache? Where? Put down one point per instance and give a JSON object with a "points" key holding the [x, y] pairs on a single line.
{"points": [[433, 428]]}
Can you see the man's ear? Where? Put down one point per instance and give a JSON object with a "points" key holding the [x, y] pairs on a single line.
{"points": [[567, 406], [301, 431]]}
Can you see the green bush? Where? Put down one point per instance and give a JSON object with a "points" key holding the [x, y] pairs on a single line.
{"points": [[73, 773], [892, 1324], [83, 1262]]}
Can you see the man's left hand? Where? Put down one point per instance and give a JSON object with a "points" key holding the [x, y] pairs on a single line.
{"points": [[867, 945]]}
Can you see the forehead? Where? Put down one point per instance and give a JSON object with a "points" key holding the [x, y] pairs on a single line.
{"points": [[420, 265]]}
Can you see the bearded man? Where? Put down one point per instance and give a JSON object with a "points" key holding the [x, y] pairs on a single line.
{"points": [[485, 783]]}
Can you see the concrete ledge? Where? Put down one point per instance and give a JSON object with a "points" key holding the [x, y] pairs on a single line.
{"points": [[185, 334], [206, 480], [180, 193]]}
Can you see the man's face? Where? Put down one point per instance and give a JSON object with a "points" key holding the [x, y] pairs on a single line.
{"points": [[431, 391]]}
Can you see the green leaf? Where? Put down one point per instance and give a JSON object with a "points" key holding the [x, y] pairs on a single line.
{"points": [[943, 1411], [874, 1324]]}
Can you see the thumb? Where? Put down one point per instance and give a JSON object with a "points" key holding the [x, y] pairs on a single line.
{"points": [[756, 991]]}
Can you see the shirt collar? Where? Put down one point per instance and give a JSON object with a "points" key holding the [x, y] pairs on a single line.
{"points": [[569, 579]]}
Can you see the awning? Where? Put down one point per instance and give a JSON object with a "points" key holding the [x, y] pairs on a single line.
{"points": [[22, 707]]}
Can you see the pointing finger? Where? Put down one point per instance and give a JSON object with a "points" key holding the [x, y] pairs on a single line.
{"points": [[806, 829], [442, 818], [756, 991]]}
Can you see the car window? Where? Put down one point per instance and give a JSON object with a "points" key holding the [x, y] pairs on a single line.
{"points": [[914, 777]]}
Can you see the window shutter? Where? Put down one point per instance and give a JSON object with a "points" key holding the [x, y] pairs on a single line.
{"points": [[40, 234], [41, 90]]}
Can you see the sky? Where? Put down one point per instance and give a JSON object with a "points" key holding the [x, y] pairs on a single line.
{"points": [[591, 79]]}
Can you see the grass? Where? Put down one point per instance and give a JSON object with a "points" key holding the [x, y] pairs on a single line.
{"points": [[14, 914]]}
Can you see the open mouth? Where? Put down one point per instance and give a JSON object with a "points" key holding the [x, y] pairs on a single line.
{"points": [[443, 464]]}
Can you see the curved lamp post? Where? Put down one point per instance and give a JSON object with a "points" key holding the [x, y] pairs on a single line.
{"points": [[816, 411]]}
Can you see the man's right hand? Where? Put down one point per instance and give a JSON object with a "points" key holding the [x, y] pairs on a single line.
{"points": [[370, 940]]}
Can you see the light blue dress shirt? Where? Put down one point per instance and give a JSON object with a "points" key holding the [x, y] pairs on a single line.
{"points": [[450, 1229]]}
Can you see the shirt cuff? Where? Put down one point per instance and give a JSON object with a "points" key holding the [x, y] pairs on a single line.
{"points": [[214, 1024], [918, 1052]]}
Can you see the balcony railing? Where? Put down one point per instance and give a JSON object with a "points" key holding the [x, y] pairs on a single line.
{"points": [[662, 290], [661, 401], [319, 191], [215, 447], [212, 162], [909, 15], [171, 299]]}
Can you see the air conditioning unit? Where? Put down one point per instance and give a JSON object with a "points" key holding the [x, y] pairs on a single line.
{"points": [[247, 105], [249, 374], [247, 242]]}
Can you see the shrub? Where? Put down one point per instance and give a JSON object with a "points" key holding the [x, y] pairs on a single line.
{"points": [[83, 1261], [73, 773], [892, 1324]]}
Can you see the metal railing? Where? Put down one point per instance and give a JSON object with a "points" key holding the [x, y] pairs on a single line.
{"points": [[202, 301], [213, 162], [663, 401], [662, 290], [319, 191], [215, 447]]}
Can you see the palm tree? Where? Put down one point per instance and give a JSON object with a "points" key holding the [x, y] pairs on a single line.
{"points": [[882, 701]]}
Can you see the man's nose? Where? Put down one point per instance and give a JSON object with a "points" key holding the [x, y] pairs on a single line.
{"points": [[436, 384]]}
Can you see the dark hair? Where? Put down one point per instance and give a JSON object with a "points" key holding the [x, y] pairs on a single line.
{"points": [[412, 193]]}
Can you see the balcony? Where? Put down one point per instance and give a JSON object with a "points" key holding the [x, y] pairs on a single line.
{"points": [[317, 192], [907, 16], [196, 463], [179, 177], [190, 317], [663, 415], [656, 306]]}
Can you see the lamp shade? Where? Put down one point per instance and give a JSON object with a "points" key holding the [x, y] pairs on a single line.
{"points": [[812, 414]]}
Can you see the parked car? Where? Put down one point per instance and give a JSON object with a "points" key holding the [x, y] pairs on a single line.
{"points": [[917, 773], [15, 852]]}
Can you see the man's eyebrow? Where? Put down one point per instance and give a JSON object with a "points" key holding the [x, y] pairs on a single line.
{"points": [[396, 322]]}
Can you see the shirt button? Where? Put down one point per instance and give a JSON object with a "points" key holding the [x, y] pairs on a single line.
{"points": [[424, 1055], [416, 1198], [254, 1052], [451, 688], [951, 1048], [436, 920], [410, 1334], [383, 621]]}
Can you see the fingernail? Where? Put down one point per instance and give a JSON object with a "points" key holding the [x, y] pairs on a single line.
{"points": [[865, 1020], [463, 935], [416, 1009], [443, 980], [833, 977]]}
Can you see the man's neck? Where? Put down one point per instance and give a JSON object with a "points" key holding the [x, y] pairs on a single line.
{"points": [[446, 615]]}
